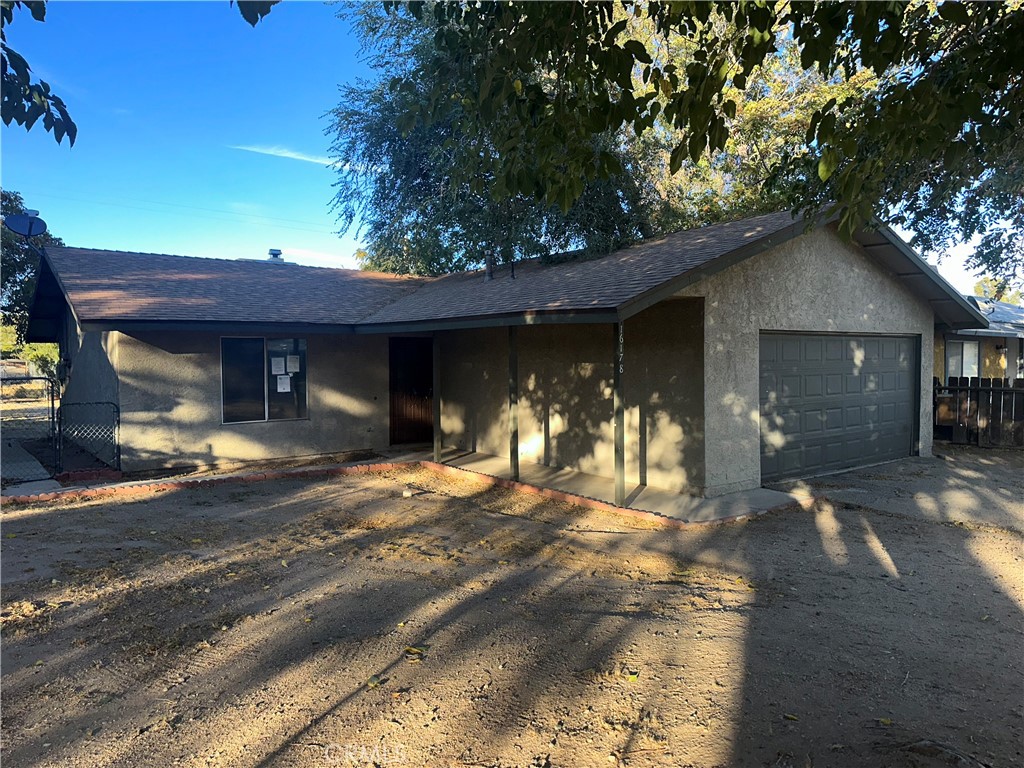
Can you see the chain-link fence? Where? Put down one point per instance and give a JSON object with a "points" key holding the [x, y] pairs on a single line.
{"points": [[88, 436], [28, 419]]}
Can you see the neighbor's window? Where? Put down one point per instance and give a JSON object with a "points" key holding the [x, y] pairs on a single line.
{"points": [[263, 379], [961, 358]]}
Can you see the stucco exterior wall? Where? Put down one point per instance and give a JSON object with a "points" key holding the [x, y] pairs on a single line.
{"points": [[814, 283], [91, 375], [565, 395], [993, 361], [170, 393]]}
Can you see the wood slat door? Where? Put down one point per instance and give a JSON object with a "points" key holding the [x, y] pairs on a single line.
{"points": [[412, 396]]}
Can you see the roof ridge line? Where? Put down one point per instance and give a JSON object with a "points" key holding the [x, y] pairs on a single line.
{"points": [[243, 260]]}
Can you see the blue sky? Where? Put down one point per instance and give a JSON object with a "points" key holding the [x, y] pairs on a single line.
{"points": [[197, 134]]}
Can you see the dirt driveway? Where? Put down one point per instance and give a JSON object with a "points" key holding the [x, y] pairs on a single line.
{"points": [[337, 623]]}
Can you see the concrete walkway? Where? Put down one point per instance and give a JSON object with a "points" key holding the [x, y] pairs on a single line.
{"points": [[21, 472], [679, 506], [961, 484]]}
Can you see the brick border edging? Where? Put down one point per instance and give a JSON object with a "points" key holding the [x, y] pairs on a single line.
{"points": [[603, 506], [143, 488]]}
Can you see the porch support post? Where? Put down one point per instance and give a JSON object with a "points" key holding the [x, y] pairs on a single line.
{"points": [[436, 392], [513, 401], [620, 415]]}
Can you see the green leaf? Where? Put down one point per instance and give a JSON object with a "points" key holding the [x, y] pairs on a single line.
{"points": [[613, 32], [956, 13], [827, 164], [675, 161], [254, 10], [638, 51]]}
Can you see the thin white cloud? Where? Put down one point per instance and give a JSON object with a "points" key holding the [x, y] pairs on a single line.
{"points": [[276, 151]]}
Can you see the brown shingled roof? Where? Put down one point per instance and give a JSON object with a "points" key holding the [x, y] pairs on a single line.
{"points": [[117, 285], [604, 283], [111, 286]]}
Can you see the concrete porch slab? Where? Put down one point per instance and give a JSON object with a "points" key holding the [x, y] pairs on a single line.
{"points": [[678, 506]]}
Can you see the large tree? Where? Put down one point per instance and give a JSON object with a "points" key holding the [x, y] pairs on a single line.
{"points": [[427, 200], [937, 146], [19, 265], [432, 196]]}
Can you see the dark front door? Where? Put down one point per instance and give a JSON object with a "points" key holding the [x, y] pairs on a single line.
{"points": [[412, 396]]}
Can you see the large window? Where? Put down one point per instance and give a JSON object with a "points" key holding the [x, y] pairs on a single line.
{"points": [[961, 359], [263, 379]]}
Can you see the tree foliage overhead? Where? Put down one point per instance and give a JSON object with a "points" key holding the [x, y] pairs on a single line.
{"points": [[19, 266], [936, 146], [23, 101], [424, 203], [431, 194]]}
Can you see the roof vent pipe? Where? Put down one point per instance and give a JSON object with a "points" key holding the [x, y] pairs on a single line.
{"points": [[275, 256]]}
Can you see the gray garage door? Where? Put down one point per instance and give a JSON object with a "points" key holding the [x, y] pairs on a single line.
{"points": [[833, 402]]}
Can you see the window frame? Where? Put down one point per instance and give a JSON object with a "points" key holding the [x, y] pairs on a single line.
{"points": [[266, 380], [962, 342]]}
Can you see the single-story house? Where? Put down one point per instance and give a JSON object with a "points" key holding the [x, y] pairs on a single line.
{"points": [[995, 352], [703, 362]]}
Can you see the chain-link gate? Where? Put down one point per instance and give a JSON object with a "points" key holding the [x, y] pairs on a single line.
{"points": [[28, 428], [88, 436]]}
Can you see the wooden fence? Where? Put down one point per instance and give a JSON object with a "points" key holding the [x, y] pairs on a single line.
{"points": [[985, 412]]}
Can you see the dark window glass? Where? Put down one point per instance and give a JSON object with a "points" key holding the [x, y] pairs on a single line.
{"points": [[286, 379], [243, 380]]}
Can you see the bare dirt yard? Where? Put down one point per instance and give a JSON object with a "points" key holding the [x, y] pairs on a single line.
{"points": [[338, 623]]}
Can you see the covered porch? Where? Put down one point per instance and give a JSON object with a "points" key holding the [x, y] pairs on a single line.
{"points": [[607, 410]]}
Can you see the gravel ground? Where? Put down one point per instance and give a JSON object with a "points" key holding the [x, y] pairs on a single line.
{"points": [[325, 623]]}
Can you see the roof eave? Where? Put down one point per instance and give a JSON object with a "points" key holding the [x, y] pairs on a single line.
{"points": [[956, 312], [718, 264]]}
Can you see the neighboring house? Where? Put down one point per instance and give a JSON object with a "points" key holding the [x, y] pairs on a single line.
{"points": [[996, 352], [703, 362]]}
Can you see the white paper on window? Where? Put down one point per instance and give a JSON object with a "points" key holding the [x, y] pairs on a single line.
{"points": [[293, 363], [284, 383], [277, 366]]}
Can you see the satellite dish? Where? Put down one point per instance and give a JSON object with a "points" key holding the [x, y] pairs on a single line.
{"points": [[25, 224]]}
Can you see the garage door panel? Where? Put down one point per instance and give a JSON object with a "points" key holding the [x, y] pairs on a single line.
{"points": [[830, 402], [812, 350], [834, 419], [835, 349], [789, 386], [813, 421]]}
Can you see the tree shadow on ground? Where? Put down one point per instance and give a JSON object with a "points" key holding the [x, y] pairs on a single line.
{"points": [[312, 623]]}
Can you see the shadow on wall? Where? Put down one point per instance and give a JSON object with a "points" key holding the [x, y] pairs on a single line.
{"points": [[170, 388], [829, 402], [566, 396]]}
